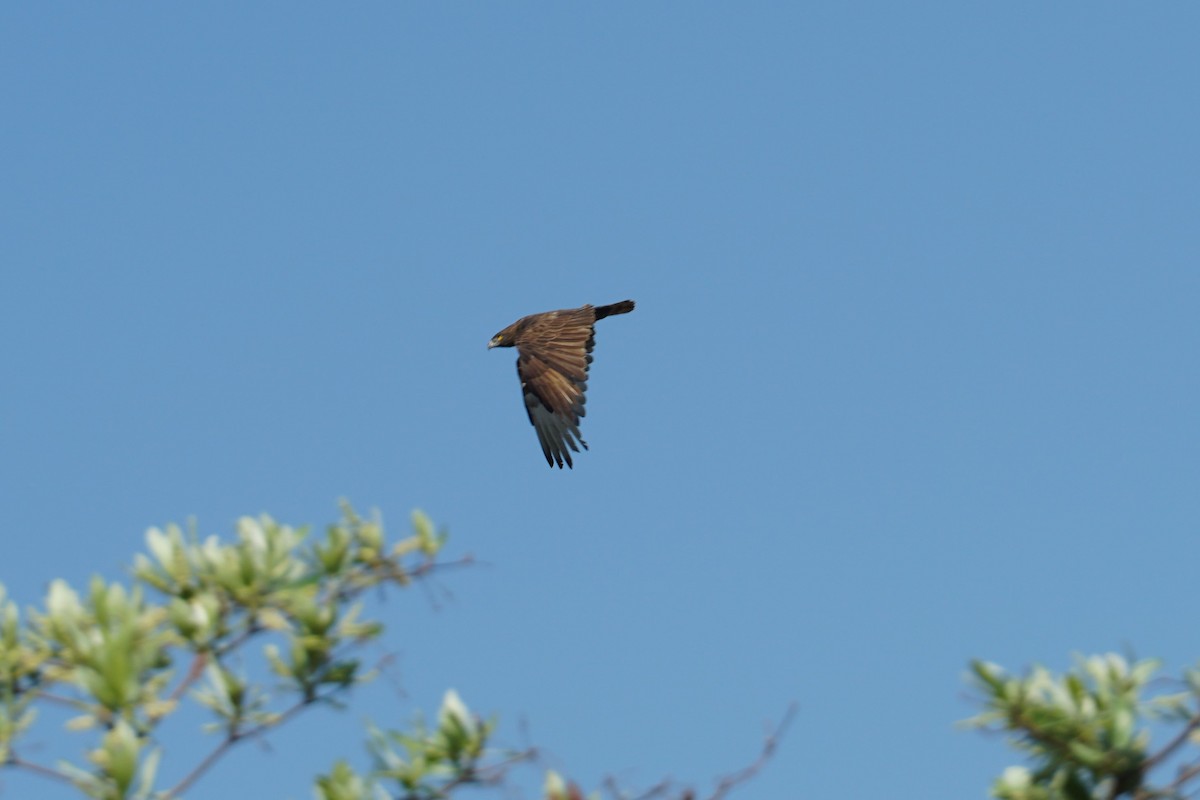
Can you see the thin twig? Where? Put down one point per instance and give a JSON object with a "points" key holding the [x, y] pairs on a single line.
{"points": [[199, 662], [725, 784], [657, 790], [489, 775], [39, 769], [71, 702], [204, 766], [252, 629], [1170, 747], [234, 737], [769, 745], [1185, 775]]}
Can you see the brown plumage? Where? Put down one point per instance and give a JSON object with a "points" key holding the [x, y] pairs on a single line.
{"points": [[554, 350]]}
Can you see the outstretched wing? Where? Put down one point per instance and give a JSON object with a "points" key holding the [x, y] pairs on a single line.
{"points": [[552, 362]]}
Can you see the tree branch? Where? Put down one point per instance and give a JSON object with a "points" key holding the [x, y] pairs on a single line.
{"points": [[488, 775], [768, 750], [728, 782], [1185, 775], [234, 737], [58, 699], [39, 769], [199, 662], [1170, 747]]}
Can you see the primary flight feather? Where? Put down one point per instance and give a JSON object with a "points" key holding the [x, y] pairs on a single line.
{"points": [[554, 350]]}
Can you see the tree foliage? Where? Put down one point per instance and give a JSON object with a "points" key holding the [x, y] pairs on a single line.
{"points": [[1088, 733], [202, 623], [125, 657]]}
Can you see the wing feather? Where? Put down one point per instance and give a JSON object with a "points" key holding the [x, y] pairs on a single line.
{"points": [[554, 352]]}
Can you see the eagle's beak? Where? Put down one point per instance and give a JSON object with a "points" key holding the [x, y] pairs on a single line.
{"points": [[491, 344]]}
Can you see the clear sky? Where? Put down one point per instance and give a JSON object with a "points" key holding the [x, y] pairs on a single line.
{"points": [[913, 376]]}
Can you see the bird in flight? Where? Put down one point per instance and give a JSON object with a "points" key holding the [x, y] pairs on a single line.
{"points": [[554, 349]]}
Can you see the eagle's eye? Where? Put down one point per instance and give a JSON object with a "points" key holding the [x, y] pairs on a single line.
{"points": [[497, 337]]}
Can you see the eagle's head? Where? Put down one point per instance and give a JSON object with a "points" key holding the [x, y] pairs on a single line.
{"points": [[508, 336]]}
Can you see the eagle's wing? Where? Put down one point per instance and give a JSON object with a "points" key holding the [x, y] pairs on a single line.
{"points": [[552, 362]]}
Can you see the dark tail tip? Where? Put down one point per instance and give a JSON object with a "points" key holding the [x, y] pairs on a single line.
{"points": [[623, 307]]}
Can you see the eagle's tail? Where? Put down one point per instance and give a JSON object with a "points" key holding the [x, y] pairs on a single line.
{"points": [[623, 307]]}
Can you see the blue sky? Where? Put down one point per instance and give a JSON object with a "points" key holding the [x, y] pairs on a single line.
{"points": [[912, 378]]}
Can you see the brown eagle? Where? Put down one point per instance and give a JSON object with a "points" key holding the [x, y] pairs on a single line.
{"points": [[554, 350]]}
